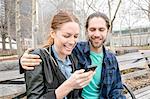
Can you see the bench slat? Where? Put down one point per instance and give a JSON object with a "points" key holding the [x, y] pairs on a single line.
{"points": [[10, 75]]}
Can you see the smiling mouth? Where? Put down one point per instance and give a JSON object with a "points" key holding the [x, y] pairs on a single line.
{"points": [[68, 48], [97, 40]]}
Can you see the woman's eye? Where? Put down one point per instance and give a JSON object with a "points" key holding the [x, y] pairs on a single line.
{"points": [[76, 36], [66, 36]]}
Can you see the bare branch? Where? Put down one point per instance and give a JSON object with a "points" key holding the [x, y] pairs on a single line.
{"points": [[53, 3], [89, 5], [141, 6], [114, 16], [116, 11], [146, 11], [109, 9]]}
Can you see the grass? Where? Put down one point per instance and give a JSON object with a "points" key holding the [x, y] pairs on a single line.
{"points": [[144, 47]]}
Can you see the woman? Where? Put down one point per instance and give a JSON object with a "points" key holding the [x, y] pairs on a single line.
{"points": [[55, 77]]}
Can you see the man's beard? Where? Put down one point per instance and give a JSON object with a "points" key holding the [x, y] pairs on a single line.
{"points": [[96, 46]]}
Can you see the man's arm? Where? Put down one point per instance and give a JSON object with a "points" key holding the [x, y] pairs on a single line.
{"points": [[117, 87], [28, 61]]}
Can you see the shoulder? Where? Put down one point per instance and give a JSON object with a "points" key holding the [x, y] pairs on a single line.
{"points": [[110, 58], [82, 44], [39, 51], [82, 47], [108, 54]]}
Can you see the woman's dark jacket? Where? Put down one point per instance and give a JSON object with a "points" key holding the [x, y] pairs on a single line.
{"points": [[42, 82]]}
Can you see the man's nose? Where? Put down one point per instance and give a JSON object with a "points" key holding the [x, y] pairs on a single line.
{"points": [[97, 33]]}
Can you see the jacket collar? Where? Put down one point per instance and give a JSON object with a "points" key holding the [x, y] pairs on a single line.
{"points": [[85, 47]]}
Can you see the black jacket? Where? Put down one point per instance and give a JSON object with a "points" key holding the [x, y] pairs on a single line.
{"points": [[46, 77]]}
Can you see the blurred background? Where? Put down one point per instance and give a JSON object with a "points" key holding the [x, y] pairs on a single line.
{"points": [[25, 23]]}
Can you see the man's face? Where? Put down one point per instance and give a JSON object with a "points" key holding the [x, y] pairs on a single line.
{"points": [[97, 31]]}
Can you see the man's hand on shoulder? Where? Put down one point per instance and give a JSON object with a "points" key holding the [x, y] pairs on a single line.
{"points": [[29, 61]]}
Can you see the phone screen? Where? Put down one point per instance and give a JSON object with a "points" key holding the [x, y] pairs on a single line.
{"points": [[91, 67]]}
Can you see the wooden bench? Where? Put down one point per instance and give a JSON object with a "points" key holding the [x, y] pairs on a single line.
{"points": [[131, 62], [139, 60], [11, 83]]}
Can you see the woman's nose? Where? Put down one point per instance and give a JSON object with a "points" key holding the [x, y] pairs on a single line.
{"points": [[72, 40]]}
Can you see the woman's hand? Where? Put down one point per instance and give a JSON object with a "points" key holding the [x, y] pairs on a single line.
{"points": [[29, 61], [80, 79]]}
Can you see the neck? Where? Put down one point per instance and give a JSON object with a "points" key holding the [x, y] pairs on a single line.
{"points": [[61, 56], [96, 50]]}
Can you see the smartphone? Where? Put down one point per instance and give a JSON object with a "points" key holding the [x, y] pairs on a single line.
{"points": [[90, 67]]}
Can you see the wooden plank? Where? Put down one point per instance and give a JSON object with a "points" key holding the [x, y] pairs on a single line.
{"points": [[10, 75], [124, 58], [133, 65], [134, 56], [143, 93], [14, 57], [135, 74], [11, 89]]}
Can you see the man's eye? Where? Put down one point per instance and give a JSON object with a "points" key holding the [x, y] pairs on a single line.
{"points": [[92, 29], [101, 29]]}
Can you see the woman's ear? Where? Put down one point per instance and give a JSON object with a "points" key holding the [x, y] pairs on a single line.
{"points": [[52, 33]]}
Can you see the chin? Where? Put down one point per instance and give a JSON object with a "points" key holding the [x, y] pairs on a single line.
{"points": [[97, 45], [68, 52]]}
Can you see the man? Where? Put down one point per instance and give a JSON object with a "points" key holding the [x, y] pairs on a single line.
{"points": [[106, 83]]}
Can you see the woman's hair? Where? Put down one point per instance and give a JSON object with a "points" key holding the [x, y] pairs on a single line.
{"points": [[97, 14], [60, 18]]}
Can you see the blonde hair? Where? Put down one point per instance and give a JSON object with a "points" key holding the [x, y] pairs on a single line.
{"points": [[60, 18]]}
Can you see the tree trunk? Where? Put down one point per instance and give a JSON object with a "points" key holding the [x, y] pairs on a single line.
{"points": [[34, 24], [3, 42], [149, 10], [112, 18], [18, 32], [8, 22], [131, 39], [10, 44]]}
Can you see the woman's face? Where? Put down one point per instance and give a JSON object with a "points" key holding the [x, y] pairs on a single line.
{"points": [[66, 38]]}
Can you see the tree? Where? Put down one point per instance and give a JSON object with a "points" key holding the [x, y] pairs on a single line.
{"points": [[3, 25], [112, 17], [7, 22], [18, 28], [144, 5], [8, 19]]}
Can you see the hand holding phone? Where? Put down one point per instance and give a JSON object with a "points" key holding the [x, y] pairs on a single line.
{"points": [[90, 67]]}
